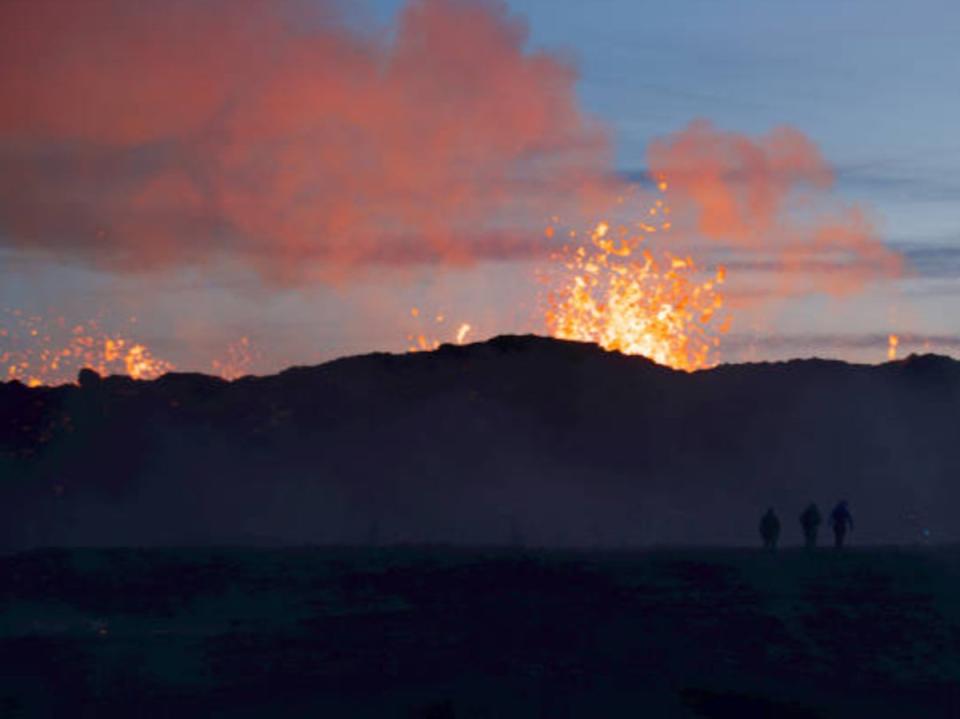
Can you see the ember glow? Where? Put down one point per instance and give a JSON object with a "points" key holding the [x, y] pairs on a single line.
{"points": [[38, 351], [429, 339], [240, 355], [616, 291], [622, 295]]}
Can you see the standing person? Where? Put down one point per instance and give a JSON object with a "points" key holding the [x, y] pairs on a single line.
{"points": [[841, 519], [770, 529], [810, 521]]}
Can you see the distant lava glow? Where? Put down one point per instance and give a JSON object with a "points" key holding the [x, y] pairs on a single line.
{"points": [[424, 341], [239, 357], [893, 342], [620, 295], [41, 352]]}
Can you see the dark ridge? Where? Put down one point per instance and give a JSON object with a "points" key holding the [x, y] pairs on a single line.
{"points": [[520, 439]]}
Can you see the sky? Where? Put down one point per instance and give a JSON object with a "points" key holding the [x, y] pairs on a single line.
{"points": [[201, 172]]}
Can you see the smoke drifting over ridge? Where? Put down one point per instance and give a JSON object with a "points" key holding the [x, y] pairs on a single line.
{"points": [[283, 137], [770, 200], [138, 135]]}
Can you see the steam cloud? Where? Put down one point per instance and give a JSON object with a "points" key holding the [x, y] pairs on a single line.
{"points": [[281, 136], [155, 134], [770, 199]]}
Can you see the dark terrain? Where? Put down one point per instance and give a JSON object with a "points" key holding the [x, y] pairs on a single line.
{"points": [[556, 443], [570, 456], [446, 632]]}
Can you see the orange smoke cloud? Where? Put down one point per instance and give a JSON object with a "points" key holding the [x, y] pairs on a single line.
{"points": [[163, 133], [770, 198]]}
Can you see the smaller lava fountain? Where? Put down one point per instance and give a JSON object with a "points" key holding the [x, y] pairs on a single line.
{"points": [[424, 341], [893, 343], [38, 351], [239, 358]]}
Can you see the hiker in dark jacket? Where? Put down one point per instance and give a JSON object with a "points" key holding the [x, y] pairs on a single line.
{"points": [[841, 520], [770, 529], [810, 520]]}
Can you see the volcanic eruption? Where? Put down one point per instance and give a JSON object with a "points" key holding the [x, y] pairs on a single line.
{"points": [[308, 153]]}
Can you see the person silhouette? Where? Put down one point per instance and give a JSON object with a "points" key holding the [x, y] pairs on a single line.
{"points": [[770, 529], [810, 521], [841, 520]]}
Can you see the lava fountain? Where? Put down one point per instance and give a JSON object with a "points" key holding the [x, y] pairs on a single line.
{"points": [[620, 294]]}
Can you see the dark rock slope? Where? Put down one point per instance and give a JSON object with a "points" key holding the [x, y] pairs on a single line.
{"points": [[518, 439]]}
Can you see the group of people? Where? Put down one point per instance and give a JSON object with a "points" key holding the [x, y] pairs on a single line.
{"points": [[810, 520]]}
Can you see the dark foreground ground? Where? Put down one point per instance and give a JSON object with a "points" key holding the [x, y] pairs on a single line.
{"points": [[440, 632]]}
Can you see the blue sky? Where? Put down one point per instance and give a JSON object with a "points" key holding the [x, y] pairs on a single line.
{"points": [[872, 82]]}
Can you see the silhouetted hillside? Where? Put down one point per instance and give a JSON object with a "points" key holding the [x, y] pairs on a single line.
{"points": [[518, 439]]}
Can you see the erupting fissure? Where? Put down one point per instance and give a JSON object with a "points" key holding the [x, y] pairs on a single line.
{"points": [[615, 292], [40, 352], [37, 351], [423, 341]]}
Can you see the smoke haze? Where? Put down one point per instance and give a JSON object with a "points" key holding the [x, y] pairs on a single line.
{"points": [[281, 136], [295, 144], [770, 197]]}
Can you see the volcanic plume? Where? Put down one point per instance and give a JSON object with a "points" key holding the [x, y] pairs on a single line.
{"points": [[290, 140], [769, 199], [282, 136]]}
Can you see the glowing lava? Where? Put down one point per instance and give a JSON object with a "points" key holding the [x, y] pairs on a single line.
{"points": [[425, 341], [240, 356], [618, 294], [40, 352], [622, 296], [893, 342]]}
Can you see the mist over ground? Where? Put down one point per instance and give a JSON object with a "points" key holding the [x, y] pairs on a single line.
{"points": [[518, 440]]}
